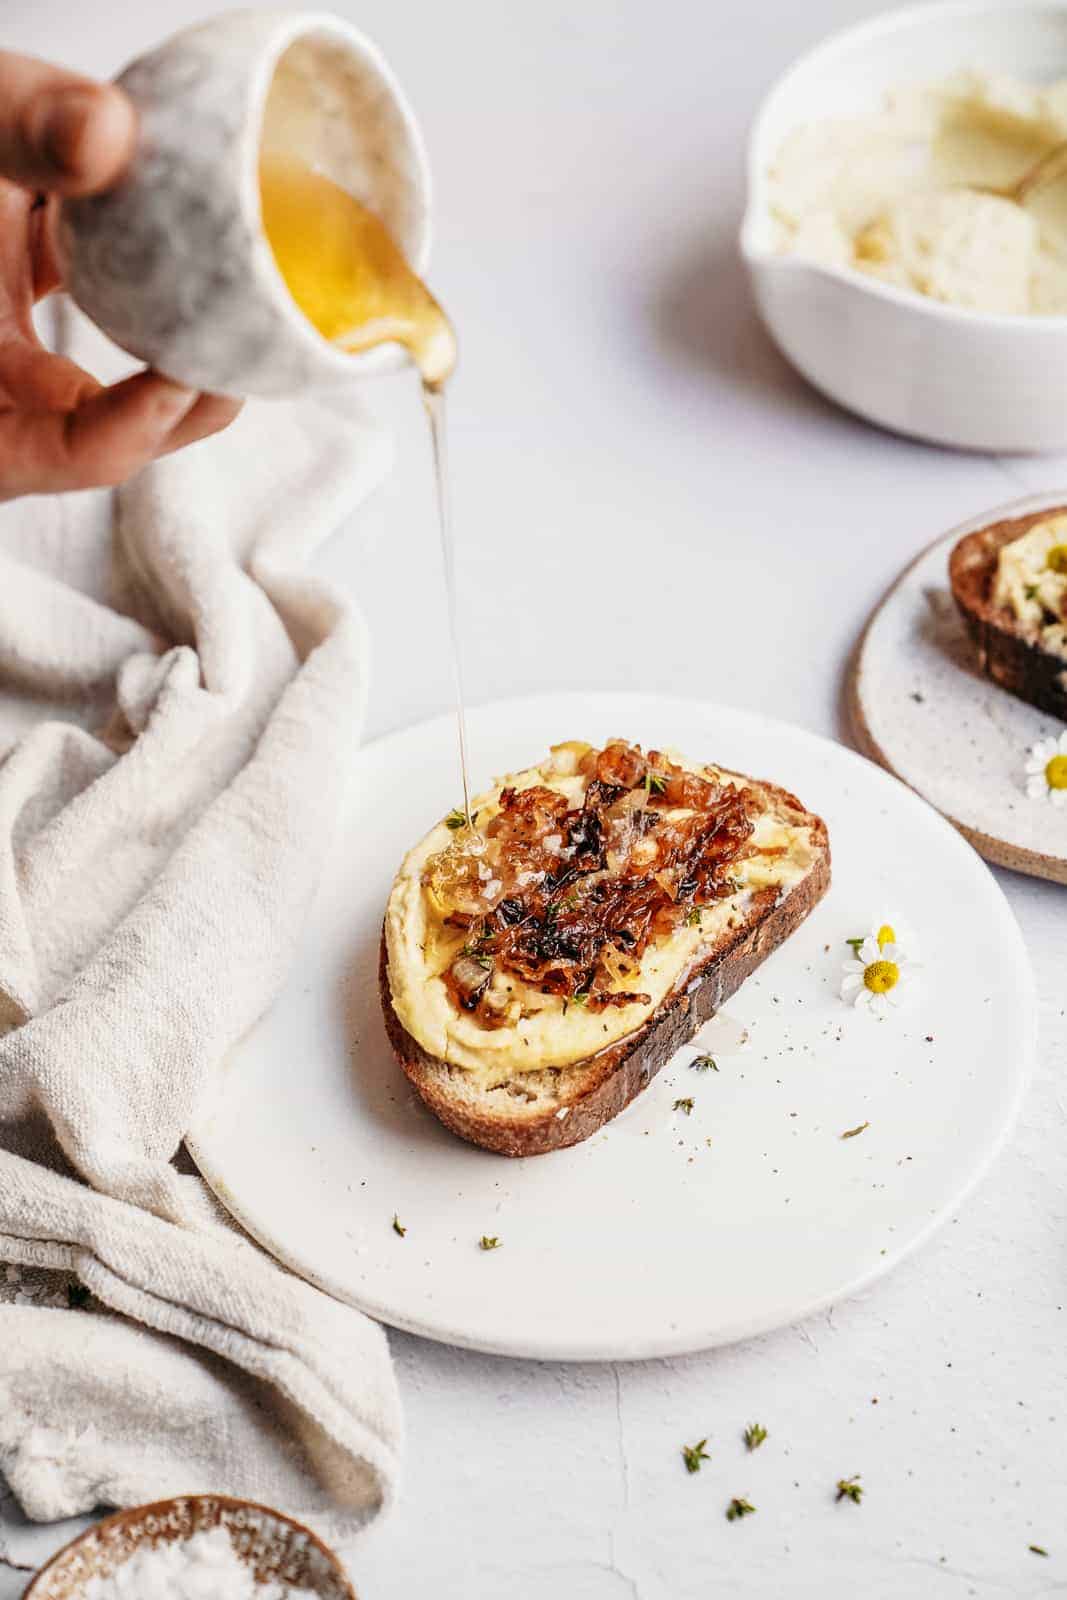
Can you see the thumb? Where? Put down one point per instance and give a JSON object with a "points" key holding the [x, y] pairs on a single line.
{"points": [[61, 132]]}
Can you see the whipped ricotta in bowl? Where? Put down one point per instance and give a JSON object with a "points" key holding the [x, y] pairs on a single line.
{"points": [[898, 194]]}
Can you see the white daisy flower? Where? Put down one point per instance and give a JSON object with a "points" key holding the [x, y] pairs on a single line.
{"points": [[1046, 771], [871, 979], [895, 930]]}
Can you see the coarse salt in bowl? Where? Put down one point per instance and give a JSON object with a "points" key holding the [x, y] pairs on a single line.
{"points": [[198, 1568], [197, 1547]]}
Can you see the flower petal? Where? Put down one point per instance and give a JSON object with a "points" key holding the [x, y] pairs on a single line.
{"points": [[870, 951]]}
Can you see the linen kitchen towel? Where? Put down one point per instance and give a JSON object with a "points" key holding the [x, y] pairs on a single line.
{"points": [[179, 702]]}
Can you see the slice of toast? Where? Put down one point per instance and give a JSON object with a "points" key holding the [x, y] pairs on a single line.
{"points": [[1008, 652], [550, 1108]]}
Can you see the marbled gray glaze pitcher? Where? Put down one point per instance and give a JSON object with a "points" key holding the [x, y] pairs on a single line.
{"points": [[173, 264]]}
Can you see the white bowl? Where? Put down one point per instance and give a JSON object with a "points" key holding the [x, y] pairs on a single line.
{"points": [[173, 263], [914, 365]]}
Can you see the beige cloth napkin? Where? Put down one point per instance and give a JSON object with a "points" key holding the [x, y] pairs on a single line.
{"points": [[179, 702]]}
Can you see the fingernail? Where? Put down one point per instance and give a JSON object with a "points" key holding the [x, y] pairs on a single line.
{"points": [[173, 400], [62, 125]]}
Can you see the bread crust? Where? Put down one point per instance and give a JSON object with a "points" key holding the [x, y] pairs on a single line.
{"points": [[1007, 653], [599, 1088]]}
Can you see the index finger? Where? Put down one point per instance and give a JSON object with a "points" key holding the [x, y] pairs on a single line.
{"points": [[60, 131]]}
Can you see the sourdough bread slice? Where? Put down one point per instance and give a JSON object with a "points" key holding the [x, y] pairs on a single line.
{"points": [[548, 1109], [1008, 652]]}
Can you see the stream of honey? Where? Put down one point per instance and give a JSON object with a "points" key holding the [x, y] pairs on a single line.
{"points": [[353, 284]]}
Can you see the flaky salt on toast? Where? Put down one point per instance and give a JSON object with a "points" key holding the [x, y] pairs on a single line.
{"points": [[1009, 653], [518, 1112]]}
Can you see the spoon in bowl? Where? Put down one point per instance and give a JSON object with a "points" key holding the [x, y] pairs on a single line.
{"points": [[1045, 170]]}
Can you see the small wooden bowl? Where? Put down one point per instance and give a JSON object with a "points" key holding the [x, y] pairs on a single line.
{"points": [[271, 1545]]}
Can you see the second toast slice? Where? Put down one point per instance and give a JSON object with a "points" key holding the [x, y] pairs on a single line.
{"points": [[1013, 652]]}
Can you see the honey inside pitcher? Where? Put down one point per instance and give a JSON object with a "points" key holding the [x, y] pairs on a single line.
{"points": [[345, 272]]}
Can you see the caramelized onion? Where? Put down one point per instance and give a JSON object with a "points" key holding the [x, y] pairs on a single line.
{"points": [[462, 880], [578, 895], [469, 979], [621, 765]]}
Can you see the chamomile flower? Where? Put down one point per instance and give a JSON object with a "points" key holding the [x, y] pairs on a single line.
{"points": [[1046, 771], [895, 930], [871, 979]]}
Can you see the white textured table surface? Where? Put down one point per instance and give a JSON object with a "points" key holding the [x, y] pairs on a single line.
{"points": [[646, 496]]}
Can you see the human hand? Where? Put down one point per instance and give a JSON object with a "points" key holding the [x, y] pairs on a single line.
{"points": [[59, 428]]}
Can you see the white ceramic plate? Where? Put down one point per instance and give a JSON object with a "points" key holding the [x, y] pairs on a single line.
{"points": [[664, 1232], [922, 708]]}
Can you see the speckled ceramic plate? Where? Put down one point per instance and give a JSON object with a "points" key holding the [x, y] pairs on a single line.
{"points": [[270, 1545], [665, 1232], [922, 708]]}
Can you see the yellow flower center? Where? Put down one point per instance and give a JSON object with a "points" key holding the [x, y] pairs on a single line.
{"points": [[1056, 773], [886, 935], [1056, 560], [881, 976]]}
